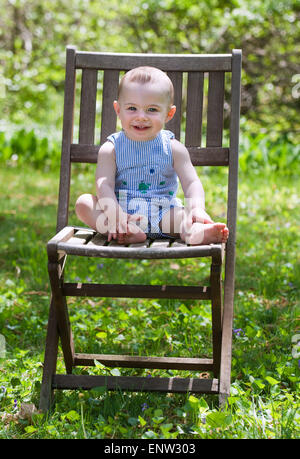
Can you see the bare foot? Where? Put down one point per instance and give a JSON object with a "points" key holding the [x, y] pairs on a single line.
{"points": [[210, 233], [134, 235]]}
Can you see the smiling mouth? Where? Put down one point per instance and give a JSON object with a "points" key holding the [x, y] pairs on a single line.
{"points": [[141, 128]]}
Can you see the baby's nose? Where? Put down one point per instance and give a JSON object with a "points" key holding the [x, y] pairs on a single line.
{"points": [[141, 114]]}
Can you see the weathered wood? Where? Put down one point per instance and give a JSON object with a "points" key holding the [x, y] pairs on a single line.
{"points": [[140, 245], [81, 237], [110, 91], [234, 145], [62, 315], [216, 311], [62, 236], [160, 243], [212, 156], [67, 138], [135, 291], [88, 106], [140, 253], [50, 359], [226, 350], [166, 62], [194, 109], [136, 384], [178, 243], [97, 240], [175, 124], [128, 361], [215, 109]]}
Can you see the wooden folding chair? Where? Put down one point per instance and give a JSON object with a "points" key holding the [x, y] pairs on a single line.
{"points": [[72, 240]]}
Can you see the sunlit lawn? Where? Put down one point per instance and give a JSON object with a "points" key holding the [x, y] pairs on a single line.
{"points": [[265, 370]]}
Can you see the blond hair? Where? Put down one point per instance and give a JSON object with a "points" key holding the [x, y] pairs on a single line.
{"points": [[146, 74]]}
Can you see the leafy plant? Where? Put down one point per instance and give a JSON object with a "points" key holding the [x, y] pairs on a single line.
{"points": [[264, 401]]}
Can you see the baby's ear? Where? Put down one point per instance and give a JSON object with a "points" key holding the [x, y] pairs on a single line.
{"points": [[117, 107], [171, 113]]}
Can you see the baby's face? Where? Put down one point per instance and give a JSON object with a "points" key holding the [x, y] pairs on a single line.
{"points": [[143, 110]]}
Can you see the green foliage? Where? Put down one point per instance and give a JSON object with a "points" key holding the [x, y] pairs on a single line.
{"points": [[264, 401], [32, 52], [259, 152], [273, 153], [25, 147], [35, 34]]}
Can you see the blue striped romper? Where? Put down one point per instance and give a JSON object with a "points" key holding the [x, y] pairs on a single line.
{"points": [[146, 182]]}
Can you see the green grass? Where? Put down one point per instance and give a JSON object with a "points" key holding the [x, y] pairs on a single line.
{"points": [[264, 400]]}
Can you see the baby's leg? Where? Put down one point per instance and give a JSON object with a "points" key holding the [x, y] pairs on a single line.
{"points": [[171, 221], [205, 233], [175, 223], [88, 211]]}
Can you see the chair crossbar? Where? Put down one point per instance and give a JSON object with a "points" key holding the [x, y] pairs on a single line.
{"points": [[136, 291], [137, 384], [209, 156], [129, 361]]}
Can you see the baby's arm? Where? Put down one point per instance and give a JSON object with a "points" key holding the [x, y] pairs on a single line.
{"points": [[191, 184], [105, 188]]}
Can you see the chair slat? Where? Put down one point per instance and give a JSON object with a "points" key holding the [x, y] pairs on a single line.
{"points": [[194, 109], [98, 240], [144, 244], [82, 236], [88, 106], [174, 124], [212, 156], [178, 243], [215, 109], [134, 361], [160, 243], [110, 91], [76, 241], [166, 62]]}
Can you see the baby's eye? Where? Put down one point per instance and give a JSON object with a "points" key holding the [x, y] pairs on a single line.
{"points": [[132, 109], [152, 109]]}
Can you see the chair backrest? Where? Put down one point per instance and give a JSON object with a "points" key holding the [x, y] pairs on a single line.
{"points": [[100, 73]]}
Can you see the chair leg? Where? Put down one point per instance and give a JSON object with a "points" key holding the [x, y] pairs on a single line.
{"points": [[223, 401], [58, 327], [62, 315], [225, 368], [49, 360], [216, 304], [227, 324]]}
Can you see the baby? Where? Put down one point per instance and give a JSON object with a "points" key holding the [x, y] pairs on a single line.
{"points": [[138, 170]]}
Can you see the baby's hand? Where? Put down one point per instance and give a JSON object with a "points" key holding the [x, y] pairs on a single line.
{"points": [[127, 225], [117, 227], [199, 215], [133, 227]]}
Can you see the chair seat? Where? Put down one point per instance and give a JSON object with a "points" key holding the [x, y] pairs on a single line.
{"points": [[87, 242]]}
